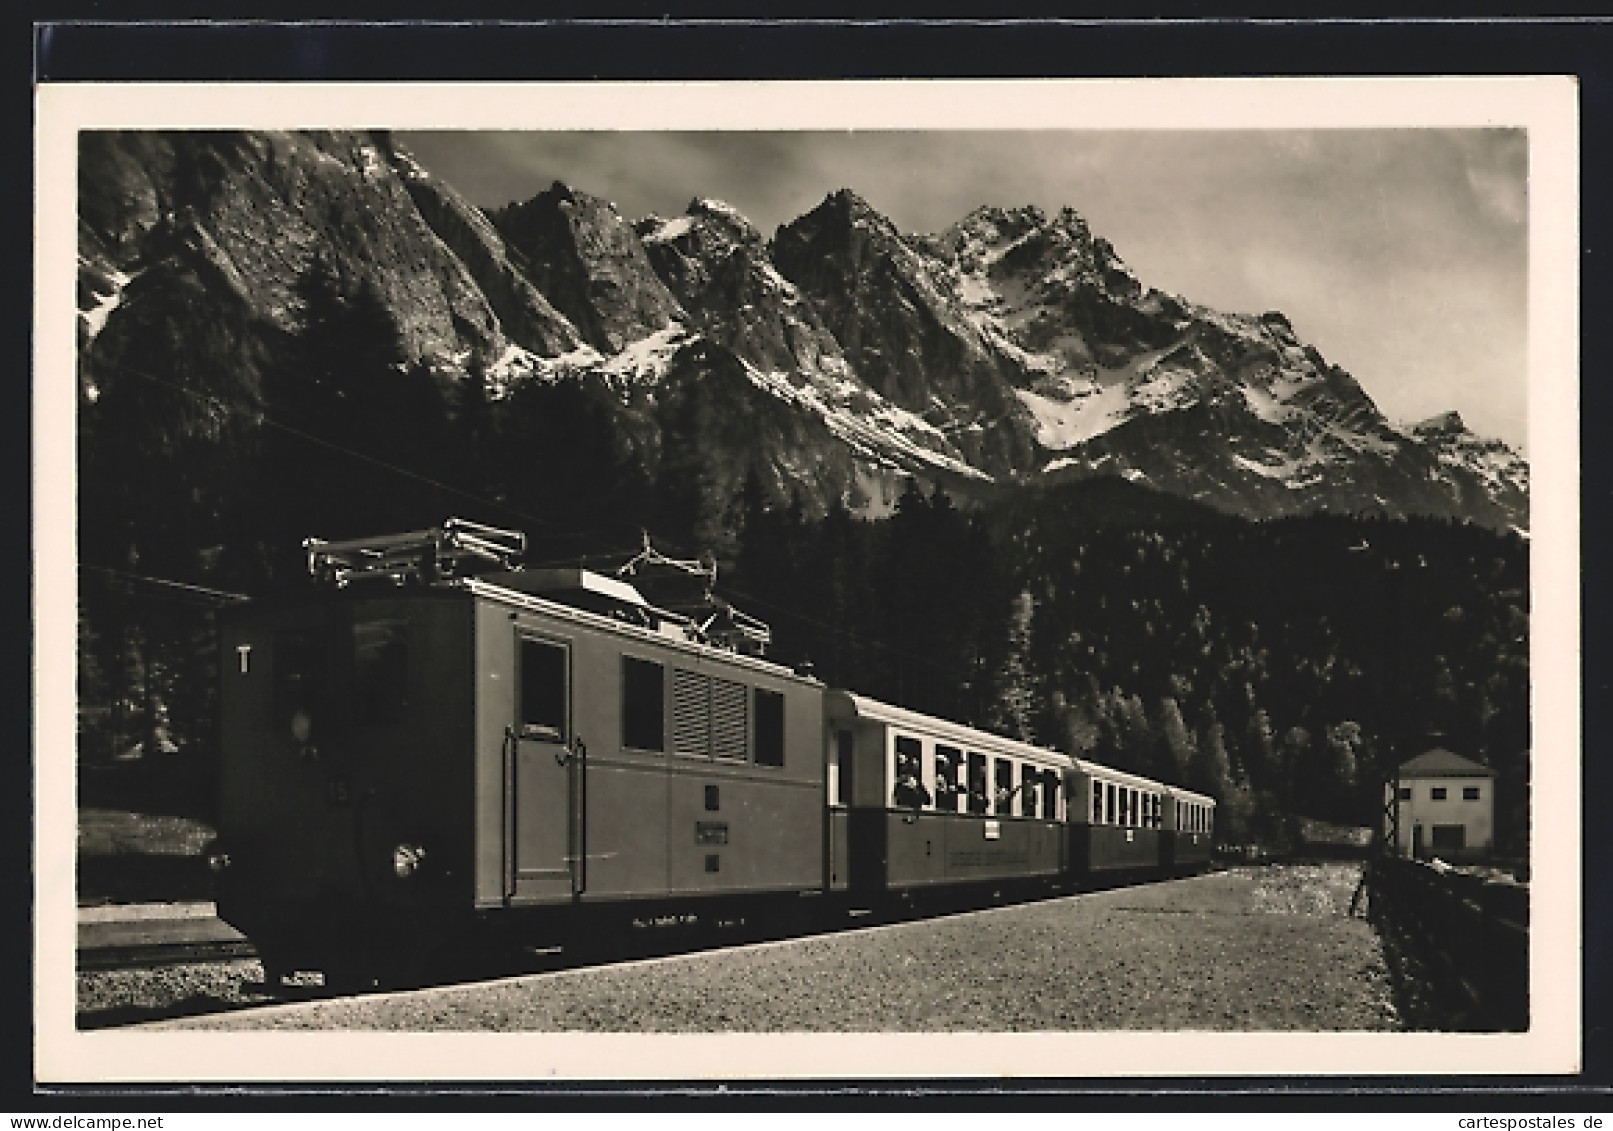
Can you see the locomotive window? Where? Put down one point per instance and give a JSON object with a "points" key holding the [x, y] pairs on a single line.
{"points": [[380, 669], [977, 783], [769, 727], [299, 676], [947, 791], [907, 786], [543, 689], [643, 704]]}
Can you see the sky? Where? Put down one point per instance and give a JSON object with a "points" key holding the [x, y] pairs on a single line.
{"points": [[1401, 254]]}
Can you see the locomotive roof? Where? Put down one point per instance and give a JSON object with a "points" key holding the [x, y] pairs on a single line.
{"points": [[492, 590], [877, 711]]}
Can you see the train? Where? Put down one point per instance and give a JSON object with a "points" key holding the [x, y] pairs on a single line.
{"points": [[432, 750]]}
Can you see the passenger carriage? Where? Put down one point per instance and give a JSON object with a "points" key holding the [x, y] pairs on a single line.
{"points": [[1115, 822], [1189, 830], [918, 803]]}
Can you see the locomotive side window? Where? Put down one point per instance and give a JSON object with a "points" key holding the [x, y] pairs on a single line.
{"points": [[543, 689], [380, 669], [977, 783], [299, 676], [907, 790], [947, 791], [643, 704], [769, 727]]}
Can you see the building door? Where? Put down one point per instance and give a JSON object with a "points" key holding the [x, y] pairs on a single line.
{"points": [[544, 777], [1416, 842]]}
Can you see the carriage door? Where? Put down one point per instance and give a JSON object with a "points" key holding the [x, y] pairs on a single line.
{"points": [[544, 776]]}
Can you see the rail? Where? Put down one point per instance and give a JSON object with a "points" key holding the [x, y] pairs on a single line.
{"points": [[1472, 933]]}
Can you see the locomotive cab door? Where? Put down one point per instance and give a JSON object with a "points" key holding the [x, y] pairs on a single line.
{"points": [[544, 777]]}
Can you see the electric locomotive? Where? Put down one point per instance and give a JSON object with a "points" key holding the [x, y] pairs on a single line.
{"points": [[433, 749]]}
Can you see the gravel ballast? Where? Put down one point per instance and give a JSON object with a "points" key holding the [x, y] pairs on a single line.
{"points": [[1251, 949]]}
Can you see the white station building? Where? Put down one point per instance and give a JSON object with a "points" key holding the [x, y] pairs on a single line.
{"points": [[1446, 807]]}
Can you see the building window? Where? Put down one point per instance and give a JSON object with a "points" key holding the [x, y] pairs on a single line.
{"points": [[1470, 793], [1437, 793], [643, 705], [1405, 793], [769, 727]]}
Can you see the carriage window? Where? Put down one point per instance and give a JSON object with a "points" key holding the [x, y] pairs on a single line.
{"points": [[1002, 793], [845, 746], [1050, 794], [1110, 808], [543, 689], [977, 783], [769, 727], [1030, 777], [907, 790], [947, 791], [1097, 803], [643, 704]]}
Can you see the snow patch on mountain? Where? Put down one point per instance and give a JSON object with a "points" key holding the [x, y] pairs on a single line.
{"points": [[101, 309]]}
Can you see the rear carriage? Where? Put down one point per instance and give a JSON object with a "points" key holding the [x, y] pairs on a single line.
{"points": [[1189, 830]]}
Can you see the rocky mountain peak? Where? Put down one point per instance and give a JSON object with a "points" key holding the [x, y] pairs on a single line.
{"points": [[588, 261], [1442, 424]]}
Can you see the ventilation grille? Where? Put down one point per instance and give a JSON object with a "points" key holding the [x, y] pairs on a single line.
{"points": [[729, 719], [690, 713]]}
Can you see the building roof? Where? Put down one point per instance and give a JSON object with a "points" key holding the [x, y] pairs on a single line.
{"points": [[1438, 763]]}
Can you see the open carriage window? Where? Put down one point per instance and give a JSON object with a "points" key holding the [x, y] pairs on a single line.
{"points": [[908, 790], [977, 783], [948, 793], [299, 676], [1002, 794]]}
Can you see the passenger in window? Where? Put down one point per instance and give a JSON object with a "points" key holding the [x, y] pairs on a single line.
{"points": [[910, 792], [946, 785]]}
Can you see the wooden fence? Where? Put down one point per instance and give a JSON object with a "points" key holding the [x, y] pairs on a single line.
{"points": [[1472, 934]]}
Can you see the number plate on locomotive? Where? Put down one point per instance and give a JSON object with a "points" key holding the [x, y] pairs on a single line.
{"points": [[711, 832]]}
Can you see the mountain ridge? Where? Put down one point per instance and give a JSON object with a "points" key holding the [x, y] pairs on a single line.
{"points": [[1012, 348]]}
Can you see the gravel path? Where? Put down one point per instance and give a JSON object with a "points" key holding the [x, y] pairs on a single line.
{"points": [[1259, 948]]}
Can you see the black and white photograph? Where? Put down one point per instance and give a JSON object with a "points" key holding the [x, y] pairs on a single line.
{"points": [[770, 580]]}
